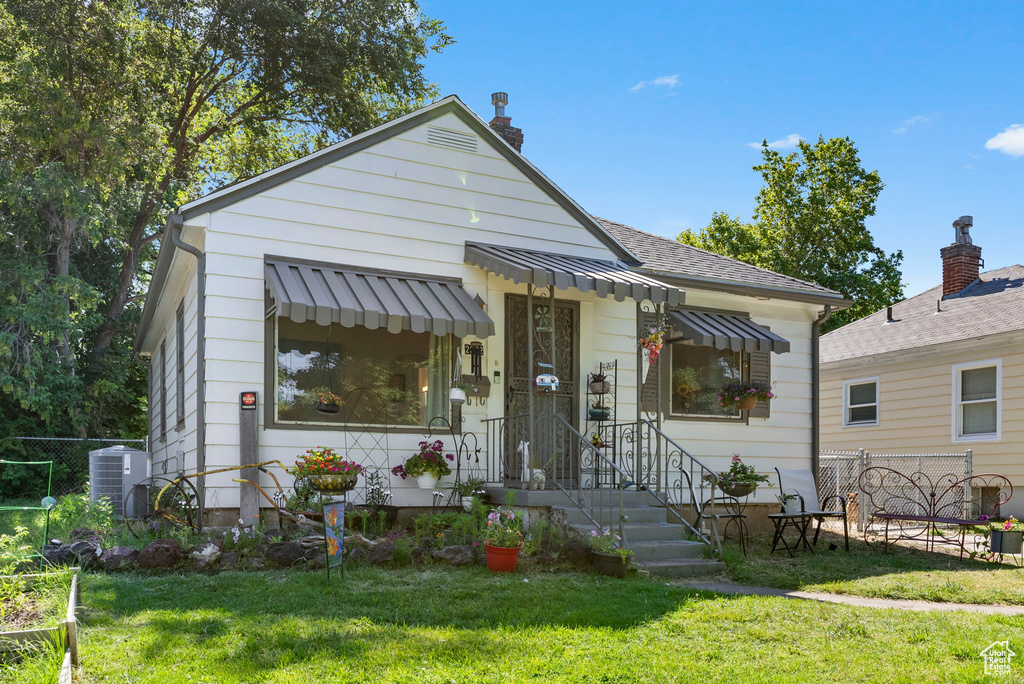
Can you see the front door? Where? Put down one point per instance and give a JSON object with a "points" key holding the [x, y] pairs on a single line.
{"points": [[521, 372]]}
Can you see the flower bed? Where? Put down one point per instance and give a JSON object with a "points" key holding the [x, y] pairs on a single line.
{"points": [[48, 602]]}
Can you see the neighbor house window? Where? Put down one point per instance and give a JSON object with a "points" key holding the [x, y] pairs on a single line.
{"points": [[977, 400], [698, 373], [860, 402], [406, 371]]}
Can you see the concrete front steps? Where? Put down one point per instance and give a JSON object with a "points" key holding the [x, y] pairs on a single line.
{"points": [[658, 546]]}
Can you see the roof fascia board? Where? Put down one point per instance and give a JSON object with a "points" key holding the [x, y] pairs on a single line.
{"points": [[451, 104], [752, 290], [1011, 338]]}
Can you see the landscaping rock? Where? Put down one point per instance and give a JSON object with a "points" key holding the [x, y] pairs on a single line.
{"points": [[254, 563], [461, 554], [272, 532], [83, 534], [118, 558], [58, 554], [574, 554], [229, 560], [86, 552], [356, 553], [289, 553], [381, 553], [161, 554], [206, 554]]}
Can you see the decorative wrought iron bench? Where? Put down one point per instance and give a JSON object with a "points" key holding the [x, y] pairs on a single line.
{"points": [[915, 508]]}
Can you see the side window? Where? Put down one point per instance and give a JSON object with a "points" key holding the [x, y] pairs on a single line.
{"points": [[179, 375], [697, 375], [977, 401], [860, 402], [161, 370]]}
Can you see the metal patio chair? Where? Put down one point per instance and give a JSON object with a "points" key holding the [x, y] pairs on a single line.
{"points": [[802, 484]]}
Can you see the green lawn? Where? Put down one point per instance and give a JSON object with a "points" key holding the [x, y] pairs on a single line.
{"points": [[868, 571], [472, 626]]}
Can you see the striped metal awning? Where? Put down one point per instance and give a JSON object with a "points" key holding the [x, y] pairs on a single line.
{"points": [[543, 269], [351, 296], [726, 331]]}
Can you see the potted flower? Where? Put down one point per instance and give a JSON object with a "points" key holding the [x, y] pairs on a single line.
{"points": [[469, 490], [1007, 536], [599, 384], [427, 466], [790, 503], [610, 557], [503, 539], [600, 411], [596, 441], [739, 480], [327, 402], [326, 470], [457, 393], [744, 394]]}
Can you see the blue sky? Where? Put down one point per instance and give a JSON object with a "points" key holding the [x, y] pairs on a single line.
{"points": [[643, 112]]}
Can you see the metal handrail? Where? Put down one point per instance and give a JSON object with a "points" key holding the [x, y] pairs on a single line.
{"points": [[585, 505], [696, 504]]}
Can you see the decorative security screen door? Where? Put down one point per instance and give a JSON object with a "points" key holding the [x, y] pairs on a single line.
{"points": [[521, 372]]}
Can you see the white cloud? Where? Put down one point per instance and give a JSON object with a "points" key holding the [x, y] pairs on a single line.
{"points": [[911, 122], [659, 82], [787, 143], [1010, 141]]}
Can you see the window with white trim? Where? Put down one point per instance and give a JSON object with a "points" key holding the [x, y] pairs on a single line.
{"points": [[977, 400], [860, 402]]}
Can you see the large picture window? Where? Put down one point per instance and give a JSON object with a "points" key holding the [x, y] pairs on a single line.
{"points": [[977, 398], [407, 370], [698, 373]]}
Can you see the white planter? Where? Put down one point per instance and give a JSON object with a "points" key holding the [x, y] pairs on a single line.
{"points": [[646, 363], [467, 503], [457, 396], [426, 481], [603, 387]]}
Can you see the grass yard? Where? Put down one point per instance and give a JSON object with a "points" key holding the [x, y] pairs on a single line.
{"points": [[902, 573], [475, 627]]}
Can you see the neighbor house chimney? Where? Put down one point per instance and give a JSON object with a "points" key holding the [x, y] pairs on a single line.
{"points": [[961, 261], [503, 124]]}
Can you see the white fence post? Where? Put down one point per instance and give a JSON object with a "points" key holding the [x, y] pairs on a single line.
{"points": [[862, 509]]}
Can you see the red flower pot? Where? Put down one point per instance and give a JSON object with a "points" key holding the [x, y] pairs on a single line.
{"points": [[502, 559]]}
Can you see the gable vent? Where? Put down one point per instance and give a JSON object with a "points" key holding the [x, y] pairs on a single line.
{"points": [[453, 139]]}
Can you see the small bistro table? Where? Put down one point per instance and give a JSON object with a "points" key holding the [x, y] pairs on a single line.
{"points": [[797, 521]]}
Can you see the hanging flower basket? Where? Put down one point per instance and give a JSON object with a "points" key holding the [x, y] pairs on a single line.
{"points": [[457, 396], [327, 402], [744, 395]]}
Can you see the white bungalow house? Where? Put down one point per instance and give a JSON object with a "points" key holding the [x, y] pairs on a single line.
{"points": [[428, 249]]}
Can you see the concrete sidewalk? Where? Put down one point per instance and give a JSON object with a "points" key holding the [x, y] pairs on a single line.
{"points": [[847, 600]]}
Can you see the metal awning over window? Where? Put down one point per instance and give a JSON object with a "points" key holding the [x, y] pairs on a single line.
{"points": [[331, 293], [543, 269], [726, 331]]}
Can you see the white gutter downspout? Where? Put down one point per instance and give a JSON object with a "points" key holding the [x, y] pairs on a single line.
{"points": [[175, 223], [816, 389]]}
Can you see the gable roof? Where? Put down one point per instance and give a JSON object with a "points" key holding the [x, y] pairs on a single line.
{"points": [[663, 256], [989, 306], [236, 192]]}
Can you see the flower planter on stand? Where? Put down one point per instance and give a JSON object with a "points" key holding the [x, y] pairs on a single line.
{"points": [[1006, 542], [426, 481], [611, 564], [738, 490], [333, 483], [502, 559]]}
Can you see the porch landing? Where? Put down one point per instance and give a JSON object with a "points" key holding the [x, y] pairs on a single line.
{"points": [[658, 546]]}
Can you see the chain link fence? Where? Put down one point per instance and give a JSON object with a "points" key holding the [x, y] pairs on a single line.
{"points": [[839, 473], [70, 456]]}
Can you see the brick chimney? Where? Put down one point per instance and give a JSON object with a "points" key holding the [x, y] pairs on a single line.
{"points": [[503, 124], [961, 261]]}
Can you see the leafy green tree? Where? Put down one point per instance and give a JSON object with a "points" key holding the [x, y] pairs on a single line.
{"points": [[810, 224], [113, 112]]}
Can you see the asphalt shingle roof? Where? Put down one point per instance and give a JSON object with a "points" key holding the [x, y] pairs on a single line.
{"points": [[668, 256], [993, 304]]}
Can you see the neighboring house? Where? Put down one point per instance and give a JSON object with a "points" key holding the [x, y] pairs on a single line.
{"points": [[942, 372], [383, 260]]}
